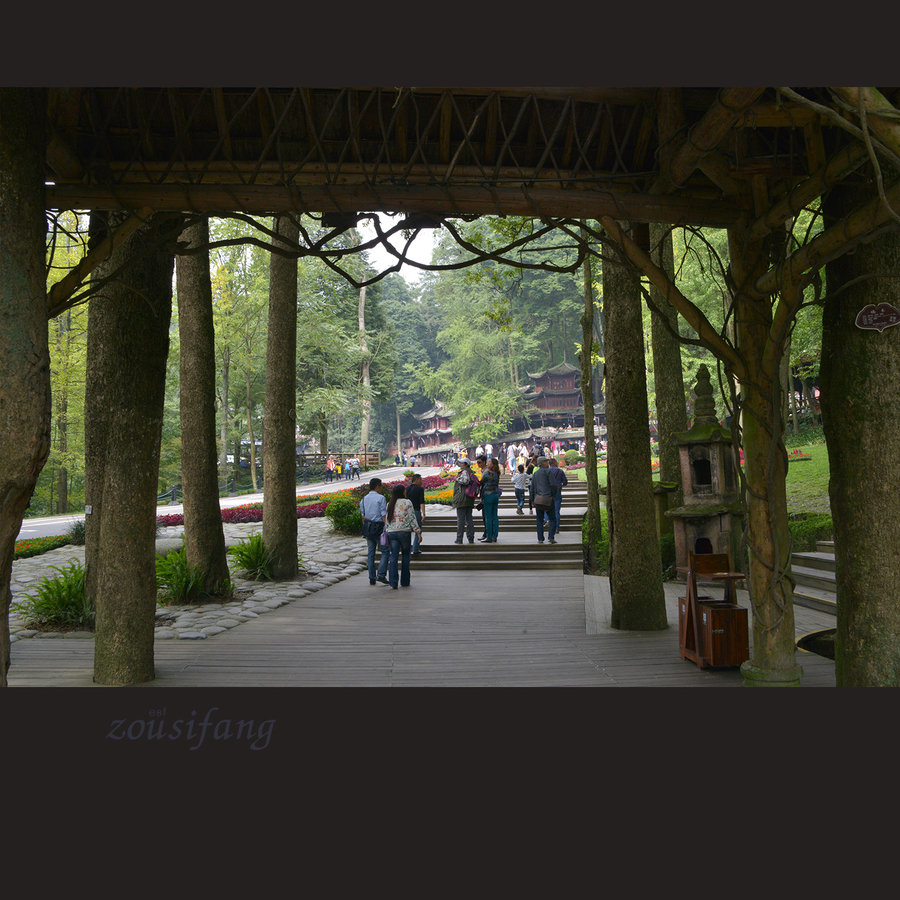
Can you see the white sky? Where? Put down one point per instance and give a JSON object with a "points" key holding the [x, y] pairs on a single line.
{"points": [[420, 250]]}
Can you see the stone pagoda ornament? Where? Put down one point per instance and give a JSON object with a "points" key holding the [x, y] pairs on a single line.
{"points": [[710, 518]]}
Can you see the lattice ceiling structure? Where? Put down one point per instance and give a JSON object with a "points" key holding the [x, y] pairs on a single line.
{"points": [[680, 156]]}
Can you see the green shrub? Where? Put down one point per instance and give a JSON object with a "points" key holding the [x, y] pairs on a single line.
{"points": [[59, 601], [807, 529], [177, 582], [571, 457], [76, 533], [344, 515], [252, 557]]}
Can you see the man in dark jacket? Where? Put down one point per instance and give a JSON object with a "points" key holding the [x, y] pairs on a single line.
{"points": [[561, 481], [415, 493], [544, 484]]}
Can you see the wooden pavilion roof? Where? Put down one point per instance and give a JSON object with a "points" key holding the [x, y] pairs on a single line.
{"points": [[672, 155]]}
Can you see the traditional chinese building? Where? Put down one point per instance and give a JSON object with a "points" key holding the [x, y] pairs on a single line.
{"points": [[434, 436], [554, 399]]}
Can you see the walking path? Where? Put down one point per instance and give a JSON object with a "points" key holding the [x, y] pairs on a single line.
{"points": [[490, 622]]}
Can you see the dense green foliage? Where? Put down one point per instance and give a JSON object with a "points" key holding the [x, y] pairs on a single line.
{"points": [[252, 558], [177, 582], [58, 602], [344, 515]]}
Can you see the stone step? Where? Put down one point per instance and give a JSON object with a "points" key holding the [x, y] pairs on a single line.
{"points": [[499, 556], [813, 560], [811, 598], [816, 579], [825, 546]]}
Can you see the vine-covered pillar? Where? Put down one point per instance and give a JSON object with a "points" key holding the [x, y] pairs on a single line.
{"points": [[773, 659]]}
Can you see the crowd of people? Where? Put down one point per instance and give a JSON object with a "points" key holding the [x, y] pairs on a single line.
{"points": [[349, 469], [395, 526]]}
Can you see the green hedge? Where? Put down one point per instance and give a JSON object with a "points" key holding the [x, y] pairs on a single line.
{"points": [[807, 529]]}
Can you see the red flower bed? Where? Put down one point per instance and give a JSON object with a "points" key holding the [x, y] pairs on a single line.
{"points": [[252, 512]]}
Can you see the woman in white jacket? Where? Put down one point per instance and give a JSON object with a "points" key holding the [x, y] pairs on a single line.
{"points": [[401, 523]]}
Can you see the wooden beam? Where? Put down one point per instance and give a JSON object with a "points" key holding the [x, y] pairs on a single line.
{"points": [[63, 160], [729, 105], [446, 200], [832, 242], [715, 167], [222, 121], [842, 163], [66, 286], [887, 126]]}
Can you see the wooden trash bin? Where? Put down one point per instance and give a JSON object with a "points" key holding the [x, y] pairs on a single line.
{"points": [[712, 632]]}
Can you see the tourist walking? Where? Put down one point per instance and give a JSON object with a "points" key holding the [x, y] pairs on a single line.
{"points": [[544, 488], [520, 484], [401, 523], [465, 490], [373, 508], [490, 497], [329, 469], [559, 476], [415, 493]]}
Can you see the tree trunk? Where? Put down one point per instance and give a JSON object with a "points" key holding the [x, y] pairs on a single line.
{"points": [[226, 363], [861, 420], [397, 412], [773, 660], [594, 525], [250, 433], [280, 445], [204, 540], [62, 446], [668, 378], [25, 403], [795, 425], [638, 599], [366, 373], [129, 323]]}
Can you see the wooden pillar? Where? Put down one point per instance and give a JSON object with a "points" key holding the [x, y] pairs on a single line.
{"points": [[773, 660]]}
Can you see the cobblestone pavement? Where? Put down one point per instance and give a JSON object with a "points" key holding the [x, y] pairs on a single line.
{"points": [[329, 557]]}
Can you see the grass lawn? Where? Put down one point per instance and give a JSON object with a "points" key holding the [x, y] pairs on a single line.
{"points": [[806, 483]]}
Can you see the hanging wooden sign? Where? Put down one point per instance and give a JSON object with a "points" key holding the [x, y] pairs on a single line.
{"points": [[877, 318]]}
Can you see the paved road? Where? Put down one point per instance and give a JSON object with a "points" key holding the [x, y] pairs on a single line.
{"points": [[51, 525]]}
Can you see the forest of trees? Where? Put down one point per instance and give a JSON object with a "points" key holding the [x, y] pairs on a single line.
{"points": [[466, 336]]}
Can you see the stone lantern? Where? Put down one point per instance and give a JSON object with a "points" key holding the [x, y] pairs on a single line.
{"points": [[710, 518]]}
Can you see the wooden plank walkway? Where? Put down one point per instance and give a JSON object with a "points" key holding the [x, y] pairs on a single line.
{"points": [[449, 629]]}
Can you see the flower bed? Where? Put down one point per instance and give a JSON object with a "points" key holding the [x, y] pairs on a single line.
{"points": [[314, 505], [37, 546]]}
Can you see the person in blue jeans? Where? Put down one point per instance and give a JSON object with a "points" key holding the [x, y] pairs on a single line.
{"points": [[373, 508], [561, 481], [490, 497], [543, 483], [520, 483], [401, 523]]}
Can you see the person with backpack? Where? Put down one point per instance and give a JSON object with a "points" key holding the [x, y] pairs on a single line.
{"points": [[465, 490], [544, 487], [561, 480]]}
